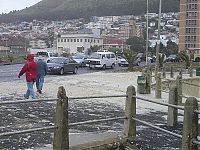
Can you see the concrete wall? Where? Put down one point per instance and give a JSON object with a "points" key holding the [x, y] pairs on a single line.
{"points": [[188, 90]]}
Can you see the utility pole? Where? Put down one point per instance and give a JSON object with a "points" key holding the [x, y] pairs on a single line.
{"points": [[158, 41], [147, 34]]}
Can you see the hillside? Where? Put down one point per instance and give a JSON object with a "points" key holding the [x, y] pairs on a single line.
{"points": [[68, 9]]}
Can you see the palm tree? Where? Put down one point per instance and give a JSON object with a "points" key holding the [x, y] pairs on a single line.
{"points": [[130, 56], [161, 59], [185, 58]]}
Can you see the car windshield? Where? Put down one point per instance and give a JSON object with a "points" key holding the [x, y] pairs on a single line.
{"points": [[95, 56], [57, 60], [172, 56], [78, 56], [42, 54]]}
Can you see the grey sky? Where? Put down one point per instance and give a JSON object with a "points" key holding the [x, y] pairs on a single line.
{"points": [[9, 5]]}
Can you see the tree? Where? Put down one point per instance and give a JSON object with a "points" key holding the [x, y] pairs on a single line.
{"points": [[161, 59], [115, 50], [137, 44], [185, 58], [93, 49], [172, 48], [10, 58], [130, 56]]}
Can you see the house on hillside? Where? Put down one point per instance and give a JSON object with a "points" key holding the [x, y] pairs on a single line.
{"points": [[35, 44], [111, 42], [77, 41]]}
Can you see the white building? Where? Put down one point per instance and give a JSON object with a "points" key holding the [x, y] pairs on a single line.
{"points": [[37, 44], [4, 50], [79, 41]]}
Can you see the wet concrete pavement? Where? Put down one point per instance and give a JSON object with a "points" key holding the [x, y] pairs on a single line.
{"points": [[33, 115]]}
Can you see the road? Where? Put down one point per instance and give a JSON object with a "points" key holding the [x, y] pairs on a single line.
{"points": [[10, 72]]}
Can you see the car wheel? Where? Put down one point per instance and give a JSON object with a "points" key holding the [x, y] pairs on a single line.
{"points": [[82, 64], [113, 66], [75, 70], [61, 71], [104, 67]]}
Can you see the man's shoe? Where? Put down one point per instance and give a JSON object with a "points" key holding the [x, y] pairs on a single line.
{"points": [[40, 91], [26, 97]]}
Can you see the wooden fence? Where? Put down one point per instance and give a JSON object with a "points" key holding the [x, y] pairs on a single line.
{"points": [[62, 125]]}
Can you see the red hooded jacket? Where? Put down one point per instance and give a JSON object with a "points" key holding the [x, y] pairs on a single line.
{"points": [[30, 68]]}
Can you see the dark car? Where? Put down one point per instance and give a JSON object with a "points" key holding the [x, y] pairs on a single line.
{"points": [[173, 58], [4, 62], [62, 65]]}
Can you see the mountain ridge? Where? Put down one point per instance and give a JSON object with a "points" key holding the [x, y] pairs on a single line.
{"points": [[71, 9]]}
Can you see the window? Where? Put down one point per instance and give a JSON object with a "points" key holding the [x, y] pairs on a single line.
{"points": [[77, 40], [103, 56], [64, 40], [85, 40], [61, 40], [81, 40], [108, 56], [67, 40], [74, 40], [58, 40], [112, 56], [71, 40], [88, 40]]}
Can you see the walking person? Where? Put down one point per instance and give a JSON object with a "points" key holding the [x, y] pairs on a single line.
{"points": [[42, 71], [30, 68]]}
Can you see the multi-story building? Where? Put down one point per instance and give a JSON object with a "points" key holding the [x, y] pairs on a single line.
{"points": [[129, 30], [189, 26], [79, 41], [37, 44]]}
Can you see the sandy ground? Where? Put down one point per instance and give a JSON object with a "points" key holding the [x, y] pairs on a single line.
{"points": [[98, 83]]}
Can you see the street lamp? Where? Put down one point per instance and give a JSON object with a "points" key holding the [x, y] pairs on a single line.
{"points": [[147, 34], [158, 41]]}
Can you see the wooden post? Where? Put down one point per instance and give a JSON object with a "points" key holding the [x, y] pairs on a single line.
{"points": [[61, 134], [181, 71], [149, 81], [130, 111], [190, 125], [191, 71], [171, 72], [158, 85], [164, 72], [172, 112], [179, 86]]}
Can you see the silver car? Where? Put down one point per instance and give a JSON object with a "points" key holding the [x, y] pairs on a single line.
{"points": [[62, 65], [80, 59]]}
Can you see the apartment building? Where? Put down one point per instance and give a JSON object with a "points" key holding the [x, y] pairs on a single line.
{"points": [[37, 44], [189, 26]]}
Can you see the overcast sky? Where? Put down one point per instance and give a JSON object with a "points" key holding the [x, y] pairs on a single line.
{"points": [[9, 5]]}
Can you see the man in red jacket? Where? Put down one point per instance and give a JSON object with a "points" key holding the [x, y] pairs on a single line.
{"points": [[30, 68]]}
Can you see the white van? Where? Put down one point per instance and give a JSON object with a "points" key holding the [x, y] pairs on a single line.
{"points": [[44, 55], [101, 60]]}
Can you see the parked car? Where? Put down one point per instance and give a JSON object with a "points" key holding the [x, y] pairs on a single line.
{"points": [[4, 62], [122, 61], [102, 59], [62, 65], [141, 61], [173, 58], [80, 58]]}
